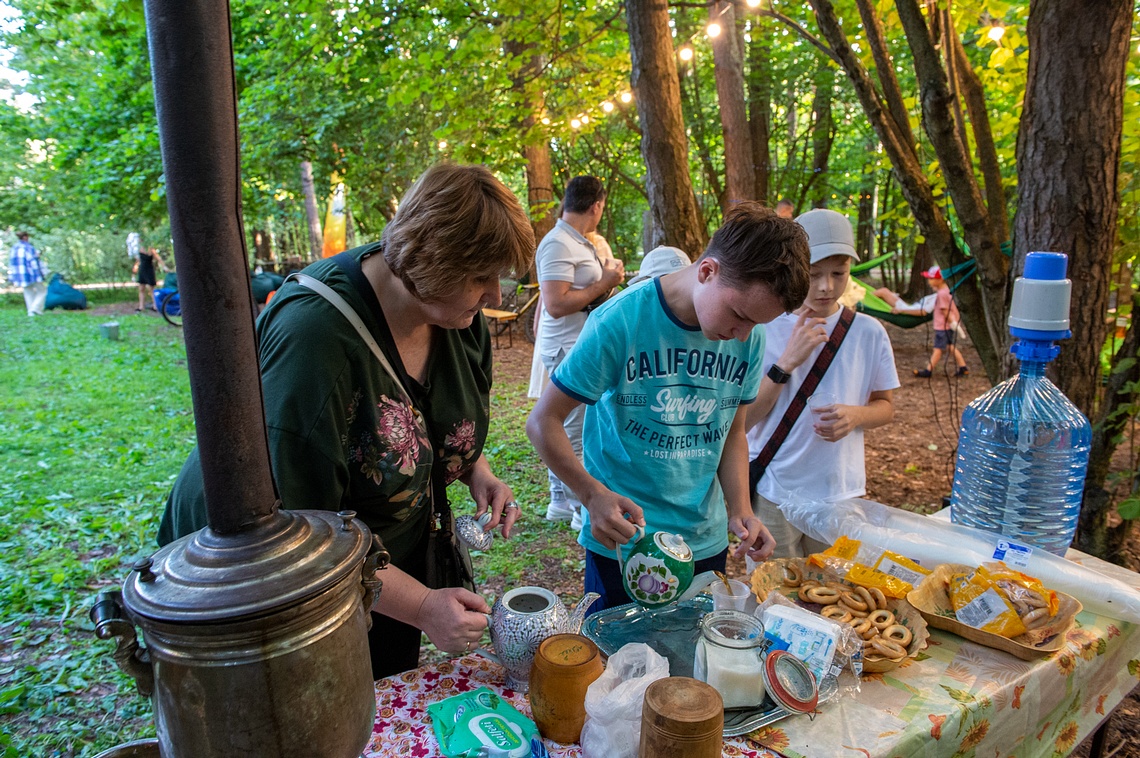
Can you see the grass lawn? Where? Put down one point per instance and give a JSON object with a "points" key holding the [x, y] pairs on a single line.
{"points": [[92, 433]]}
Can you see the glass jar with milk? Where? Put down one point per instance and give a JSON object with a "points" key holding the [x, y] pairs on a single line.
{"points": [[730, 657]]}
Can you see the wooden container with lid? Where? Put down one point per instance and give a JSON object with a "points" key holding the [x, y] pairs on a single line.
{"points": [[565, 665], [681, 718]]}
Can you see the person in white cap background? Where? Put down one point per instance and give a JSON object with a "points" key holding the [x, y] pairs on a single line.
{"points": [[821, 459], [572, 279], [659, 261], [946, 320]]}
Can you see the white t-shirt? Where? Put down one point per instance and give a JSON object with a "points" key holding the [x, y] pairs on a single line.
{"points": [[818, 469], [564, 256]]}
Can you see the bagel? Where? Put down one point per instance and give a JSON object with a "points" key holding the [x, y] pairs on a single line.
{"points": [[870, 634], [866, 597], [1034, 599], [882, 619], [853, 611], [880, 598], [823, 595], [803, 590], [835, 613], [888, 648], [794, 575], [862, 627], [1035, 618], [853, 601], [898, 633]]}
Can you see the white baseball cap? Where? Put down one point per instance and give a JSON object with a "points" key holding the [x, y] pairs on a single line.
{"points": [[829, 233], [660, 260]]}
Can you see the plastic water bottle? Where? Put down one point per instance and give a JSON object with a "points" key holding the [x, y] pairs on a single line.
{"points": [[1024, 447]]}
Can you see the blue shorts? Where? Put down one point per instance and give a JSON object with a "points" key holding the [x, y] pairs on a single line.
{"points": [[944, 337], [604, 577]]}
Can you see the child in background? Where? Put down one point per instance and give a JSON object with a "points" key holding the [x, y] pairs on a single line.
{"points": [[822, 457], [663, 369], [946, 319]]}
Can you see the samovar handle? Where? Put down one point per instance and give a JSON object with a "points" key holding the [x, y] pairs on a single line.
{"points": [[111, 622], [377, 559]]}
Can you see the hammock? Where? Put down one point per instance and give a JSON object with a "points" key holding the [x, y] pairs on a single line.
{"points": [[865, 266], [873, 305]]}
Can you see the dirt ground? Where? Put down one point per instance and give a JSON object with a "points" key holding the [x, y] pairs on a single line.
{"points": [[910, 464]]}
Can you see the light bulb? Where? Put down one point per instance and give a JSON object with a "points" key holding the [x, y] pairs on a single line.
{"points": [[607, 106], [753, 3], [575, 123], [443, 144], [626, 97], [585, 119], [713, 29], [545, 121], [995, 33], [685, 53]]}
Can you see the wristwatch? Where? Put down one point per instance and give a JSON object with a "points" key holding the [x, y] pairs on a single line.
{"points": [[778, 375]]}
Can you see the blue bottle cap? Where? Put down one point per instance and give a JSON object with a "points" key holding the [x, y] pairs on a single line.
{"points": [[1045, 266]]}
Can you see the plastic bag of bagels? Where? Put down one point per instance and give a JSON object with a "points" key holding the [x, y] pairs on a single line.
{"points": [[871, 566]]}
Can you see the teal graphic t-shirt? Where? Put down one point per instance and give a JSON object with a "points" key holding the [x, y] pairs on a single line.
{"points": [[661, 398]]}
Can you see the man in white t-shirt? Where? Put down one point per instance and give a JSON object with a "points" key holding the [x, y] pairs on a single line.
{"points": [[821, 460], [573, 280]]}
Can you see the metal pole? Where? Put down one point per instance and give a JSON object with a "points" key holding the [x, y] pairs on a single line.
{"points": [[191, 57]]}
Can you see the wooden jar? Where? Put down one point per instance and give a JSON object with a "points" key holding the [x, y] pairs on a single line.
{"points": [[681, 718], [564, 667]]}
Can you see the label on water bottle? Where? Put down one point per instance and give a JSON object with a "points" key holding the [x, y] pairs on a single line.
{"points": [[1013, 553], [983, 609]]}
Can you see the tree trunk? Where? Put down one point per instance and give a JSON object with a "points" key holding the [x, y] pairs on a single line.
{"points": [[760, 109], [822, 132], [728, 67], [958, 171], [312, 215], [865, 226], [913, 184], [664, 146], [541, 203], [1068, 153]]}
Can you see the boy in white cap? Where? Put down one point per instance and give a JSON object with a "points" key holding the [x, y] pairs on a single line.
{"points": [[821, 456], [663, 369]]}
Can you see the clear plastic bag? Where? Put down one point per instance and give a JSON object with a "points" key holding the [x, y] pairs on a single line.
{"points": [[614, 702]]}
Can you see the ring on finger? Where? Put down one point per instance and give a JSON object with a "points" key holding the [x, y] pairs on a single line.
{"points": [[467, 647], [511, 504]]}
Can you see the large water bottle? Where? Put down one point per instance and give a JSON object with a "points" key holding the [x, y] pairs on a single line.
{"points": [[1024, 447]]}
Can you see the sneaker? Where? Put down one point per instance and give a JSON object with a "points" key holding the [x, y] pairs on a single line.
{"points": [[962, 371], [576, 521], [559, 510], [923, 373]]}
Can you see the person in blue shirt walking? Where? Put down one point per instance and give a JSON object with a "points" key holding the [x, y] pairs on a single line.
{"points": [[26, 270], [663, 369]]}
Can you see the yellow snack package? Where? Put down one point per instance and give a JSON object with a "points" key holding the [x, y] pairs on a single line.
{"points": [[978, 602], [871, 566], [1025, 592]]}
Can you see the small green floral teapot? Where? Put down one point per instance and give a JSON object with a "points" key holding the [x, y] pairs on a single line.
{"points": [[659, 568]]}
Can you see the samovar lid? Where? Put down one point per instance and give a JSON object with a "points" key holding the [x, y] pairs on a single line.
{"points": [[208, 577]]}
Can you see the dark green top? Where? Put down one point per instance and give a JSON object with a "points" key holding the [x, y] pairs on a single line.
{"points": [[340, 436]]}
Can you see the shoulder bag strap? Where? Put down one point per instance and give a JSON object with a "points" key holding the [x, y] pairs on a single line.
{"points": [[759, 464], [441, 506]]}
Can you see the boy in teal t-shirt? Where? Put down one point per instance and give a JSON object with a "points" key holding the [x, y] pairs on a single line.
{"points": [[663, 369]]}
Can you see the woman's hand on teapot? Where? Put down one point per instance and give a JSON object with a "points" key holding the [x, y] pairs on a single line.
{"points": [[492, 494], [453, 619], [613, 519], [755, 539]]}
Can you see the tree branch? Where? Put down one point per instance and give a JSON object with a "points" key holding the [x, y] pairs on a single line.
{"points": [[884, 66]]}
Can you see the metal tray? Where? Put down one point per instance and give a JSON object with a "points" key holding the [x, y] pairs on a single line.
{"points": [[672, 631]]}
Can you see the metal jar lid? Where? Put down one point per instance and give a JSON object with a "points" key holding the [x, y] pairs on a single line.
{"points": [[790, 683], [207, 577]]}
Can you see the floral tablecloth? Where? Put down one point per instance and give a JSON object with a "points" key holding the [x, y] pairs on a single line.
{"points": [[403, 727], [956, 698]]}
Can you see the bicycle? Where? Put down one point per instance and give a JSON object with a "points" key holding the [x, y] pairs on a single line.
{"points": [[168, 303]]}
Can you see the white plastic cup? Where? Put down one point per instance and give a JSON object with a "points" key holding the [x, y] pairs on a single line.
{"points": [[724, 600]]}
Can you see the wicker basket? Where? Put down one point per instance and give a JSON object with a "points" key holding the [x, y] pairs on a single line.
{"points": [[772, 576], [933, 602]]}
